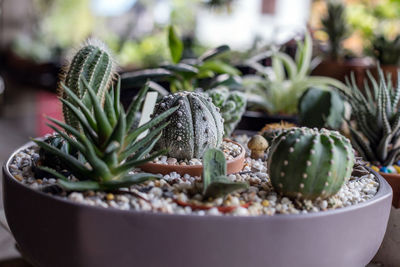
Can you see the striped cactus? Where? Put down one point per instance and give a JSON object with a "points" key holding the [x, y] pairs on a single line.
{"points": [[94, 63]]}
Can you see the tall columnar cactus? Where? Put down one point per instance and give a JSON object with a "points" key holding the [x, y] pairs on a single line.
{"points": [[196, 126], [310, 163], [232, 105], [94, 63]]}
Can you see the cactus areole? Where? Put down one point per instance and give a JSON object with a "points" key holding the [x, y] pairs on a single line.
{"points": [[310, 163], [195, 127]]}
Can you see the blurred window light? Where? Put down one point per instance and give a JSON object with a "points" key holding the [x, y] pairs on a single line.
{"points": [[111, 7]]}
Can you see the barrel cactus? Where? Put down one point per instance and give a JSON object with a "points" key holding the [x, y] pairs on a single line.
{"points": [[94, 63], [195, 127], [310, 163]]}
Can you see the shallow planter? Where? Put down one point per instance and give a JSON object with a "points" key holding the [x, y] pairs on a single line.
{"points": [[394, 180], [51, 231], [232, 166]]}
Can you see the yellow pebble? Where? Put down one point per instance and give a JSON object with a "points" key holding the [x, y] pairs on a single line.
{"points": [[375, 168], [397, 168], [110, 196], [265, 203]]}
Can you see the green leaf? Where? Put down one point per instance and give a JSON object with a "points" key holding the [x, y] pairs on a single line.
{"points": [[129, 180], [79, 186], [129, 165], [221, 186], [214, 52], [219, 67], [76, 167], [135, 133], [175, 44], [181, 68], [214, 165], [53, 172], [135, 106], [104, 127]]}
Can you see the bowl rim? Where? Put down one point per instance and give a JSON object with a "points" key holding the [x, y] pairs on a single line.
{"points": [[384, 191]]}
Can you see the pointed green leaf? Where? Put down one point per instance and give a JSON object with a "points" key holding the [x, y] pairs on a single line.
{"points": [[129, 180], [53, 172], [175, 44], [221, 186], [79, 186], [214, 165]]}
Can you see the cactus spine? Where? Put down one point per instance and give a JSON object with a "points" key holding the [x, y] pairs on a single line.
{"points": [[307, 163], [232, 105], [94, 63], [195, 127]]}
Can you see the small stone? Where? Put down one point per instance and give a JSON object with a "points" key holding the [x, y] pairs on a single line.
{"points": [[110, 196], [172, 161], [265, 203]]}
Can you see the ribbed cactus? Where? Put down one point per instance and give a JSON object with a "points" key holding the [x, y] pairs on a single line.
{"points": [[310, 163], [94, 63], [232, 105], [272, 130], [196, 126]]}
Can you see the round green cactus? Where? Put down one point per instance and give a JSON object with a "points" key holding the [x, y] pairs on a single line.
{"points": [[195, 127], [310, 163], [94, 63]]}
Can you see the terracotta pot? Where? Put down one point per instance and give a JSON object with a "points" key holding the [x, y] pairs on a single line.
{"points": [[233, 165], [394, 180], [339, 69], [52, 231]]}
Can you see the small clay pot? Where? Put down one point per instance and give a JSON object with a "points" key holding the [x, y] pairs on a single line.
{"points": [[394, 180], [233, 165]]}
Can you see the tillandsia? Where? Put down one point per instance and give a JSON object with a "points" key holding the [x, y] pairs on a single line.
{"points": [[278, 88], [196, 125], [109, 146], [93, 62], [310, 163], [375, 130], [215, 182], [187, 74], [232, 105]]}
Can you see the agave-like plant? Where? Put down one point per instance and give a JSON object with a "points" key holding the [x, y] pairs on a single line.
{"points": [[376, 126], [278, 88], [108, 146]]}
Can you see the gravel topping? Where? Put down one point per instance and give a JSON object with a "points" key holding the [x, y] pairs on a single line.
{"points": [[182, 194], [231, 151]]}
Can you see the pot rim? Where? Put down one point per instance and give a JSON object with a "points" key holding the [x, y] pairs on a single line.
{"points": [[191, 167], [384, 191]]}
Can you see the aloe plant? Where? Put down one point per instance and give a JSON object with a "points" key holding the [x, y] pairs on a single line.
{"points": [[108, 145], [185, 74], [274, 91], [375, 130], [215, 182]]}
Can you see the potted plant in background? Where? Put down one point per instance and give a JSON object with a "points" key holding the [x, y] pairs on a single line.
{"points": [[387, 53], [94, 157], [375, 132], [277, 89], [336, 63]]}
